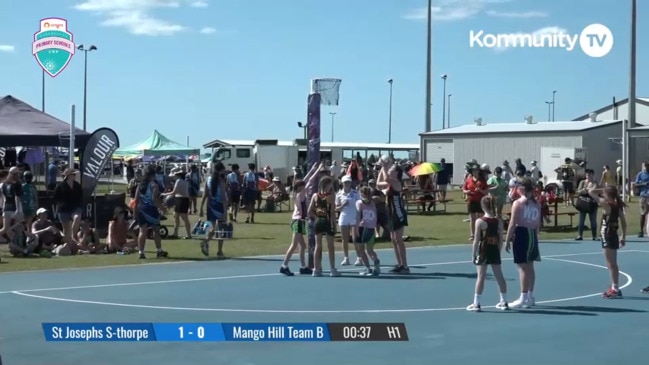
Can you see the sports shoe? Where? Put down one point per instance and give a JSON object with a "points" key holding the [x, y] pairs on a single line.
{"points": [[612, 294], [205, 248], [334, 273], [531, 301], [358, 262], [305, 271], [161, 253], [520, 303], [344, 262], [396, 269], [645, 290], [404, 270], [475, 307], [316, 274], [366, 272], [286, 271], [503, 306], [377, 267], [142, 256]]}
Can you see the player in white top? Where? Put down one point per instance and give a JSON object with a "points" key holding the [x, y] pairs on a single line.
{"points": [[346, 206]]}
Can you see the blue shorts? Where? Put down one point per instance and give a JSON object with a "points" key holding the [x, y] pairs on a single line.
{"points": [[67, 216], [249, 197], [147, 216], [525, 246]]}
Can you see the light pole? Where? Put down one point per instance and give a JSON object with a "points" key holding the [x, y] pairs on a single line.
{"points": [[390, 113], [444, 77], [85, 78], [43, 91], [333, 120], [549, 110], [304, 126], [448, 115], [554, 104], [429, 47]]}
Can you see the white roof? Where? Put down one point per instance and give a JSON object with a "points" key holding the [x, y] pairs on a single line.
{"points": [[521, 127], [371, 146]]}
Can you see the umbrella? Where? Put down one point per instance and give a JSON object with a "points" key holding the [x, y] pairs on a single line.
{"points": [[426, 168]]}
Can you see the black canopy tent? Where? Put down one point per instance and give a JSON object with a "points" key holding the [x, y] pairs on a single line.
{"points": [[23, 125]]}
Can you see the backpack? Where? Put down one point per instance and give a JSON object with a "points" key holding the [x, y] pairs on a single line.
{"points": [[565, 173]]}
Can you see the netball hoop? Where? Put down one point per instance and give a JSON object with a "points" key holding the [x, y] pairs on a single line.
{"points": [[329, 90]]}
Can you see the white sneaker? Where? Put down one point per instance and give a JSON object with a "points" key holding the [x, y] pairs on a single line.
{"points": [[334, 273], [358, 262], [503, 306], [316, 274], [345, 262], [518, 303], [366, 272], [475, 307], [531, 301]]}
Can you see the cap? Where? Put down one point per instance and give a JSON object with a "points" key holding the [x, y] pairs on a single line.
{"points": [[69, 172], [619, 162], [533, 162], [372, 181], [41, 211], [485, 167], [276, 179], [346, 179]]}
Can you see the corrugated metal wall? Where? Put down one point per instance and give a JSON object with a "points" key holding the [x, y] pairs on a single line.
{"points": [[494, 150]]}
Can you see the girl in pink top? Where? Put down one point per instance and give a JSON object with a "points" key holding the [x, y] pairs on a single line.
{"points": [[366, 219], [522, 237]]}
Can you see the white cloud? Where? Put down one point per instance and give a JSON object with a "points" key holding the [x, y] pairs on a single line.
{"points": [[199, 4], [449, 10], [537, 33], [525, 14], [208, 30], [7, 48], [136, 16]]}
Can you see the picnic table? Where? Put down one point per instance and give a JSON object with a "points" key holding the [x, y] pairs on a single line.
{"points": [[419, 197]]}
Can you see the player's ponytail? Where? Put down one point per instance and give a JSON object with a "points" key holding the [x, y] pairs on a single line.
{"points": [[528, 186]]}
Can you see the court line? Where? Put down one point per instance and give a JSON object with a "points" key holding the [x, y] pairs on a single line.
{"points": [[124, 305], [173, 281], [118, 266]]}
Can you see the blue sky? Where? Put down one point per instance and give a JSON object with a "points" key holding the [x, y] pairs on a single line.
{"points": [[240, 69]]}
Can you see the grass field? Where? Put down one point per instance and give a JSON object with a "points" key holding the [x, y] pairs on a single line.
{"points": [[271, 235]]}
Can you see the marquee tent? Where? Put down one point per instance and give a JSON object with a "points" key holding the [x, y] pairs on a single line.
{"points": [[23, 125], [157, 145]]}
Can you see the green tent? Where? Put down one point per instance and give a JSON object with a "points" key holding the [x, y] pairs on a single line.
{"points": [[156, 145]]}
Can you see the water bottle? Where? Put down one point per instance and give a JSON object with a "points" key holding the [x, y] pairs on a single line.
{"points": [[197, 227], [207, 228]]}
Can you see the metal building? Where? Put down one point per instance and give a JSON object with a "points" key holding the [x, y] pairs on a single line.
{"points": [[492, 143]]}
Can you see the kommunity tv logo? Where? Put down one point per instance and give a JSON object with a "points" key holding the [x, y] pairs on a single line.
{"points": [[595, 40]]}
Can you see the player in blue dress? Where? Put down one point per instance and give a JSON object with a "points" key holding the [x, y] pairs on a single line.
{"points": [[217, 201], [147, 211]]}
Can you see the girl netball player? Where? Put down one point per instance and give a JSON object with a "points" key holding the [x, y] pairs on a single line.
{"points": [[346, 204], [366, 219], [389, 179], [147, 208], [323, 210], [612, 220], [523, 231], [486, 252], [216, 197], [298, 224]]}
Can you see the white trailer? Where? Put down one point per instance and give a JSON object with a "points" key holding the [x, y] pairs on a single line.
{"points": [[282, 156]]}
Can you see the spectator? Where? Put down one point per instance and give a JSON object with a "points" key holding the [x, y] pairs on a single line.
{"points": [[52, 173], [88, 240], [23, 243], [118, 240], [48, 235], [68, 197]]}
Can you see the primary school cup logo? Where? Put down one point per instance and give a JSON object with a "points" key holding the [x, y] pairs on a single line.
{"points": [[53, 45]]}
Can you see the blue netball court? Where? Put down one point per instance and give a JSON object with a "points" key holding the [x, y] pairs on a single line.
{"points": [[571, 323]]}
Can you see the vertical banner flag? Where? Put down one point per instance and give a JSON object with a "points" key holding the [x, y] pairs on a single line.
{"points": [[53, 45], [313, 157], [96, 155]]}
